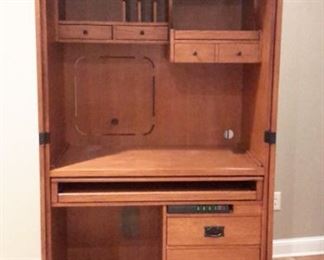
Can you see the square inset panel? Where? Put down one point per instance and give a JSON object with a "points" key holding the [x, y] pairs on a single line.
{"points": [[114, 95]]}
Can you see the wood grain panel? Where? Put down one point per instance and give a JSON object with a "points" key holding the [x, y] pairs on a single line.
{"points": [[190, 101], [141, 33], [216, 35], [237, 253], [87, 32], [239, 53], [114, 233], [104, 109], [59, 235], [194, 53], [191, 231], [96, 162], [153, 196]]}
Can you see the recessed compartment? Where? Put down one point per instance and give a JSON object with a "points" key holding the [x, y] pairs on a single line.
{"points": [[92, 191], [130, 11], [214, 15], [237, 253], [89, 10], [107, 233]]}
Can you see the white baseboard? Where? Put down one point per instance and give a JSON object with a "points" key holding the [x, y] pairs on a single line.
{"points": [[302, 246], [20, 258]]}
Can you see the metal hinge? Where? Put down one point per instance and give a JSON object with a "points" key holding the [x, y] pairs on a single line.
{"points": [[270, 137], [44, 138]]}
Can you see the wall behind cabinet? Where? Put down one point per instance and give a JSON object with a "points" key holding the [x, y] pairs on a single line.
{"points": [[19, 174], [300, 156], [300, 169]]}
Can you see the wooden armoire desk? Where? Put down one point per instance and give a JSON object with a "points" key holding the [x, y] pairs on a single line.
{"points": [[157, 128]]}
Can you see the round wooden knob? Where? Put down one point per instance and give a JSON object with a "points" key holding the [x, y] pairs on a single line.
{"points": [[85, 32], [114, 121], [195, 53], [239, 53], [142, 32]]}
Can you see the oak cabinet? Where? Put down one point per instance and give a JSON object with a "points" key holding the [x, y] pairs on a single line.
{"points": [[157, 128]]}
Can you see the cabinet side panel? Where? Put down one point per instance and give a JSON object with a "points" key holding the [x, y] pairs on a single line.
{"points": [[56, 116], [274, 125], [42, 112], [51, 115], [257, 111], [257, 91]]}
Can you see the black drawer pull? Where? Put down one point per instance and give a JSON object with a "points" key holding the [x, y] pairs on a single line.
{"points": [[214, 231]]}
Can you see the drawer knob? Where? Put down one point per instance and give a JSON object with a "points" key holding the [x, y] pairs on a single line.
{"points": [[85, 32], [214, 231], [142, 32], [195, 53], [239, 53]]}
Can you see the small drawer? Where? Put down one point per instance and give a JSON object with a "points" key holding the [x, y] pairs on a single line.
{"points": [[213, 230], [233, 253], [239, 53], [194, 53], [149, 33], [85, 32]]}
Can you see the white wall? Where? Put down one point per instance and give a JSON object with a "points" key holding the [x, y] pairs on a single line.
{"points": [[300, 156], [19, 177]]}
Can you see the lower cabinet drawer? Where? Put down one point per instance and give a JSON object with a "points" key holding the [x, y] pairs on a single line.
{"points": [[194, 53], [239, 53], [85, 32], [233, 253], [150, 33], [213, 230]]}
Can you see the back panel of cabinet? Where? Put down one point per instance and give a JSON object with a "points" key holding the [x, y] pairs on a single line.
{"points": [[132, 96]]}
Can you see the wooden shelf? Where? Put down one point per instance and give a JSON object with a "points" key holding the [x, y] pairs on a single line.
{"points": [[94, 161], [216, 35], [62, 22], [112, 32], [205, 46]]}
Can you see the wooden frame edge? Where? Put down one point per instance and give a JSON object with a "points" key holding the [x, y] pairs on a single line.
{"points": [[42, 127], [273, 125]]}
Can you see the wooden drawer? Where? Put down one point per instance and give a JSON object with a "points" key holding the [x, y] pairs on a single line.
{"points": [[233, 253], [150, 33], [85, 32], [194, 53], [213, 230], [239, 53]]}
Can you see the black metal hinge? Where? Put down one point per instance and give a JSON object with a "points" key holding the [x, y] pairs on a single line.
{"points": [[44, 138], [270, 137]]}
